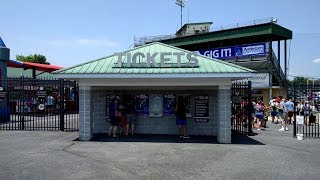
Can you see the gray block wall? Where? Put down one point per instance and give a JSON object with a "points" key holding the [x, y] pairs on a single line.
{"points": [[85, 113], [163, 125], [224, 114]]}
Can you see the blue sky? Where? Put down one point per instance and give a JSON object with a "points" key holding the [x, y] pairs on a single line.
{"points": [[72, 32]]}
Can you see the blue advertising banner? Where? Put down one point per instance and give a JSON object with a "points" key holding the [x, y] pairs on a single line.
{"points": [[235, 51], [169, 104], [142, 104]]}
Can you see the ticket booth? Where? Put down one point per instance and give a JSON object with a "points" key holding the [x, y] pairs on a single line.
{"points": [[157, 76]]}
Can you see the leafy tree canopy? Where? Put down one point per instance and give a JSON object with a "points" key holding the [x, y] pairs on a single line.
{"points": [[34, 58]]}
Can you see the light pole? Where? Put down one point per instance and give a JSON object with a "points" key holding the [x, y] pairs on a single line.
{"points": [[182, 4]]}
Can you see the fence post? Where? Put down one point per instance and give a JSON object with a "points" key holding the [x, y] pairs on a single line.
{"points": [[249, 111], [21, 101], [61, 111], [295, 113]]}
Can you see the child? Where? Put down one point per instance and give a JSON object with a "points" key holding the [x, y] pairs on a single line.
{"points": [[122, 121]]}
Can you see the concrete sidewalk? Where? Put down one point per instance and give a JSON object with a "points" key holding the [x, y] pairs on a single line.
{"points": [[55, 155]]}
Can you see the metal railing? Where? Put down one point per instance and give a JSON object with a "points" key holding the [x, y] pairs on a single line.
{"points": [[139, 41], [276, 64]]}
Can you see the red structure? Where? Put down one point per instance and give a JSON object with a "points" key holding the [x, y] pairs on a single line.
{"points": [[34, 66]]}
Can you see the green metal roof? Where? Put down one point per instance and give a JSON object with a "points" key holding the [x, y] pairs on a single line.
{"points": [[16, 72], [273, 30], [107, 65]]}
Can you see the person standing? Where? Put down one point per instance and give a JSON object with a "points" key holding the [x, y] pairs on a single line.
{"points": [[114, 116], [181, 120], [306, 112], [274, 111], [259, 114], [289, 107], [281, 110], [50, 104], [130, 117]]}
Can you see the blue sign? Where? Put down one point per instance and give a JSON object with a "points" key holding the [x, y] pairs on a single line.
{"points": [[169, 104], [235, 51], [142, 104]]}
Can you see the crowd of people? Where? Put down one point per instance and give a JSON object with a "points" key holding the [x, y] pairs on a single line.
{"points": [[122, 116], [280, 110]]}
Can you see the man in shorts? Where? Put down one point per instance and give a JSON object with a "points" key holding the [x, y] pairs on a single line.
{"points": [[281, 109], [289, 109]]}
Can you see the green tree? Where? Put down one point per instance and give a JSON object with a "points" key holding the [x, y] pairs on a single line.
{"points": [[301, 80], [34, 58]]}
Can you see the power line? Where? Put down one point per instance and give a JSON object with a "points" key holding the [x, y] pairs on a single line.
{"points": [[307, 34], [310, 77]]}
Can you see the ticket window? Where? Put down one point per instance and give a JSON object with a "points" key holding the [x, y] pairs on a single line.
{"points": [[185, 99]]}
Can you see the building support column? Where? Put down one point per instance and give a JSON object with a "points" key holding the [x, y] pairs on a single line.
{"points": [[279, 56], [285, 59], [224, 114], [85, 113]]}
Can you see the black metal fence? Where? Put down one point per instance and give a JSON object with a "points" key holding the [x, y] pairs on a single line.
{"points": [[241, 107], [307, 107], [39, 104]]}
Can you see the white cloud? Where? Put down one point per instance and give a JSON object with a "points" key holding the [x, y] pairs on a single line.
{"points": [[316, 60], [101, 42]]}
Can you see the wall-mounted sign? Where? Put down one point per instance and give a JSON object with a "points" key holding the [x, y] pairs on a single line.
{"points": [[235, 51], [155, 105], [202, 108], [142, 104], [259, 80], [169, 104], [157, 59], [256, 91], [41, 107], [3, 93], [41, 94]]}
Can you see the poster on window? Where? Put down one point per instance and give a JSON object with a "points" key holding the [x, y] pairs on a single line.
{"points": [[142, 104], [155, 105], [169, 104], [202, 108]]}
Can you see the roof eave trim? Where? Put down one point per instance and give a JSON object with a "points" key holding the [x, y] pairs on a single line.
{"points": [[155, 76]]}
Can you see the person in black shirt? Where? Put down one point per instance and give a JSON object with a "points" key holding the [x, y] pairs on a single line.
{"points": [[130, 117], [181, 120]]}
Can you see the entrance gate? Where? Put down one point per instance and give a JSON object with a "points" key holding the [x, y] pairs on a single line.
{"points": [[241, 107], [39, 104], [307, 116]]}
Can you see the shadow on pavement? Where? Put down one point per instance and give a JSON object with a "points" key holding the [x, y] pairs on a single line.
{"points": [[236, 139], [151, 138]]}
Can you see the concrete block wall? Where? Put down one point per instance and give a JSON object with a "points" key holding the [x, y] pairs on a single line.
{"points": [[85, 113], [224, 114], [163, 125]]}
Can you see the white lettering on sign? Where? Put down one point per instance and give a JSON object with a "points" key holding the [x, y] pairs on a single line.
{"points": [[259, 80], [249, 50], [219, 53], [140, 59]]}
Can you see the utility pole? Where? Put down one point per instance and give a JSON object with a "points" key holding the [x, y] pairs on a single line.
{"points": [[182, 4]]}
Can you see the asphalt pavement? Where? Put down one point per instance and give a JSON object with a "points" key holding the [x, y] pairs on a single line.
{"points": [[59, 155]]}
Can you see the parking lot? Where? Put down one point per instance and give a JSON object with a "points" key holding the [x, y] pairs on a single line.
{"points": [[58, 155]]}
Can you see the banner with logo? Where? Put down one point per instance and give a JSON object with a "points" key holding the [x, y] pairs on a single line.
{"points": [[235, 51], [259, 80]]}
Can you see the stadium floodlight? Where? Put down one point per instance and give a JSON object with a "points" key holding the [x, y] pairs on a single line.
{"points": [[182, 4]]}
